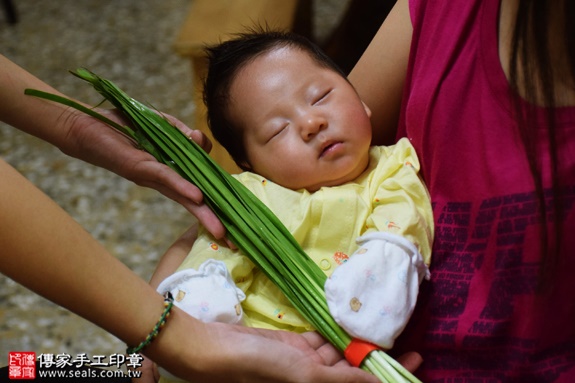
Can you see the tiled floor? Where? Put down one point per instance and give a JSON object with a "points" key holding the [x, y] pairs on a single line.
{"points": [[127, 41]]}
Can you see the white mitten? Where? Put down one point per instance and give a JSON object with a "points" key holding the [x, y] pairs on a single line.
{"points": [[373, 294], [208, 294]]}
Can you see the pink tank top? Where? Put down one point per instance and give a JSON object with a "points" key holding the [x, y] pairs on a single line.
{"points": [[480, 318]]}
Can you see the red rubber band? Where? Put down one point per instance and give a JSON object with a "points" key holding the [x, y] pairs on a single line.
{"points": [[357, 350]]}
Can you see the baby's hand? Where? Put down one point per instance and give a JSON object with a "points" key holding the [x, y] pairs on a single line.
{"points": [[372, 295]]}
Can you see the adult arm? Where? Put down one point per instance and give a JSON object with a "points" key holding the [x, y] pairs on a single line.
{"points": [[83, 137], [44, 249], [379, 75]]}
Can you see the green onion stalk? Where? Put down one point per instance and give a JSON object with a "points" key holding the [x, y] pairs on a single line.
{"points": [[250, 225]]}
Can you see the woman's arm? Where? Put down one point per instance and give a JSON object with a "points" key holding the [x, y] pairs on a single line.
{"points": [[44, 249], [86, 138], [379, 75]]}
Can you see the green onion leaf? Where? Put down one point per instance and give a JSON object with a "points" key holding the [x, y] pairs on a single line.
{"points": [[250, 225]]}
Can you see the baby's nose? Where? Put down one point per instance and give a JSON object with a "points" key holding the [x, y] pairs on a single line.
{"points": [[312, 125]]}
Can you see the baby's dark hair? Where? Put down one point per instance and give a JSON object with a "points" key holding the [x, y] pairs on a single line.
{"points": [[226, 59]]}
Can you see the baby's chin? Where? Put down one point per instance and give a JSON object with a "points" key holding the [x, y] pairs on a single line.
{"points": [[352, 171]]}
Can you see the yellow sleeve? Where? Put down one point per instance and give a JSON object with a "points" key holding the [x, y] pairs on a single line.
{"points": [[400, 200]]}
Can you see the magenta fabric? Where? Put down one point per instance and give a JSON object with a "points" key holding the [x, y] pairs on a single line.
{"points": [[480, 318]]}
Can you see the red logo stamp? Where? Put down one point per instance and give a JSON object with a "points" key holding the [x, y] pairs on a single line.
{"points": [[22, 365]]}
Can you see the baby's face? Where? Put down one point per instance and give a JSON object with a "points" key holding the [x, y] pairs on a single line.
{"points": [[304, 125]]}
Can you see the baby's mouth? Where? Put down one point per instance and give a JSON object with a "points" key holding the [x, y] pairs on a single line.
{"points": [[328, 147]]}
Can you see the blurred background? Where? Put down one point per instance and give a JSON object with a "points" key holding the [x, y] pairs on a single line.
{"points": [[131, 43]]}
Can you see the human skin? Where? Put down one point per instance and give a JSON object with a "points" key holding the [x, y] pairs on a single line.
{"points": [[90, 140], [45, 250], [303, 124], [379, 75]]}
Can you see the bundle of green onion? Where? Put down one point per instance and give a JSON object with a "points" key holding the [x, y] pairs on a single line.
{"points": [[249, 223]]}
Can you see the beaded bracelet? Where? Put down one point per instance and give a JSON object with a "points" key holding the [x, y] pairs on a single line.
{"points": [[168, 303]]}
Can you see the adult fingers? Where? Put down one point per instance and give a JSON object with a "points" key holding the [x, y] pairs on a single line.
{"points": [[410, 360], [329, 354]]}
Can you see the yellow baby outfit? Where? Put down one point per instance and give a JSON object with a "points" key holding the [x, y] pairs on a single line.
{"points": [[388, 197], [388, 206]]}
